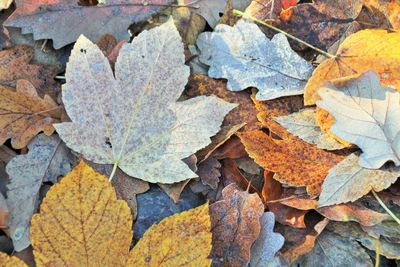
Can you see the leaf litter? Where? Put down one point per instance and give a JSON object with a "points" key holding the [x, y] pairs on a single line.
{"points": [[231, 167]]}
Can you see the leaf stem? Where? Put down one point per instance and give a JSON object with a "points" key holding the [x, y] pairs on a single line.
{"points": [[385, 207], [244, 15], [378, 253], [113, 171]]}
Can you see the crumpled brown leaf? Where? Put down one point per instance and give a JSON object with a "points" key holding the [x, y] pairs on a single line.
{"points": [[235, 224]]}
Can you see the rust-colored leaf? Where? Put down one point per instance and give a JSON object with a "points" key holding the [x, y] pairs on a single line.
{"points": [[232, 149], [235, 222], [296, 162], [23, 114], [81, 222], [232, 174], [389, 8], [183, 239]]}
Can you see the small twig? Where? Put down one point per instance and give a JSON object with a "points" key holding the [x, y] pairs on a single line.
{"points": [[244, 15], [60, 77], [378, 252], [385, 207]]}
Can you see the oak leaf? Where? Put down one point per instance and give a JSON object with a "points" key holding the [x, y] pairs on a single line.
{"points": [[246, 58], [13, 261], [235, 222], [82, 222], [47, 159], [133, 120], [376, 50], [23, 114], [348, 181], [64, 21], [365, 114], [183, 239], [297, 162]]}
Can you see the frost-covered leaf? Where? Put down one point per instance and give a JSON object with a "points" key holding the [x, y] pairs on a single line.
{"points": [[133, 119], [268, 243], [211, 9], [348, 181], [365, 114], [47, 159], [303, 125], [246, 58]]}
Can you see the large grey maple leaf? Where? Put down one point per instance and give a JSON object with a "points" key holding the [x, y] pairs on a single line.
{"points": [[132, 120], [367, 115], [244, 56]]}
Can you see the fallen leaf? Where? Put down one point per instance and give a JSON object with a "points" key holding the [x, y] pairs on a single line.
{"points": [[183, 239], [7, 261], [268, 243], [246, 58], [47, 159], [4, 4], [268, 9], [245, 112], [15, 65], [348, 181], [232, 149], [211, 10], [333, 250], [174, 190], [235, 224], [353, 231], [303, 125], [81, 221], [365, 114], [23, 114], [376, 50], [299, 241], [143, 130], [390, 9], [297, 162], [209, 172], [63, 22], [232, 174], [388, 230], [4, 213]]}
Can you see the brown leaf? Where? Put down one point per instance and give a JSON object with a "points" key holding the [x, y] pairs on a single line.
{"points": [[15, 65], [174, 190], [209, 172], [4, 214], [232, 174], [297, 162], [232, 149], [23, 114], [390, 9], [244, 113], [235, 224]]}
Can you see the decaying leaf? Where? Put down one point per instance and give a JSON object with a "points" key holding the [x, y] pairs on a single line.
{"points": [[64, 21], [333, 250], [209, 172], [7, 261], [211, 10], [15, 65], [297, 162], [245, 112], [183, 239], [235, 222], [4, 213], [82, 222], [47, 159], [376, 50], [391, 9], [303, 125], [348, 181], [268, 9], [267, 244], [246, 58], [142, 130], [365, 114], [23, 114]]}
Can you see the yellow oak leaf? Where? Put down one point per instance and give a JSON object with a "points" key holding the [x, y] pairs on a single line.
{"points": [[183, 239], [376, 50], [7, 261], [81, 223]]}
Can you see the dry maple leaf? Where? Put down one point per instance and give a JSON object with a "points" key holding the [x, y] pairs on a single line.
{"points": [[297, 162], [183, 239], [235, 222], [348, 181], [23, 114], [47, 159], [63, 21], [376, 50], [244, 56], [365, 114], [133, 120], [81, 222]]}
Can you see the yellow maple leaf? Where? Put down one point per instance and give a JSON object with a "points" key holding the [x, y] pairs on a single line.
{"points": [[7, 261], [183, 239], [376, 50], [81, 223]]}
